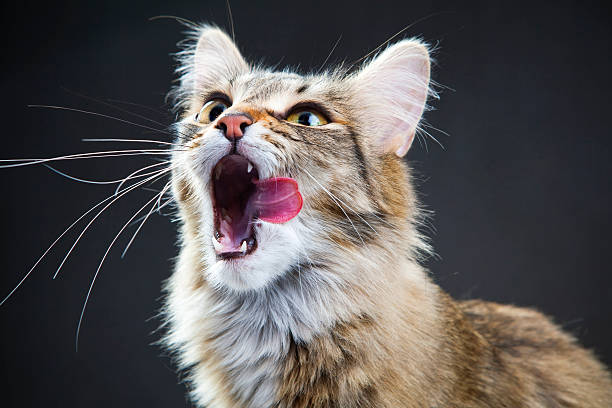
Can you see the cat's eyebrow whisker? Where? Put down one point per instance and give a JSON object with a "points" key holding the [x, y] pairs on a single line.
{"points": [[93, 281], [102, 115], [117, 197], [154, 110], [75, 222], [158, 196], [330, 53], [181, 20], [231, 19], [96, 100], [409, 26]]}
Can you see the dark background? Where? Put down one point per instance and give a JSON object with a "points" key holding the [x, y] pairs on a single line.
{"points": [[521, 190]]}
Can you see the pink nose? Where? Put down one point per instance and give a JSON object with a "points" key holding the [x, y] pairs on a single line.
{"points": [[234, 125]]}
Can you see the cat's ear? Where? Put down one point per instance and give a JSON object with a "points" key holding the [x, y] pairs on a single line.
{"points": [[392, 90], [216, 58], [210, 59]]}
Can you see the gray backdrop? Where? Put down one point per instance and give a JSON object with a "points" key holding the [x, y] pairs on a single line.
{"points": [[521, 189]]}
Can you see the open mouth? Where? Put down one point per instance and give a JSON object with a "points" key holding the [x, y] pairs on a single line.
{"points": [[233, 186], [240, 199]]}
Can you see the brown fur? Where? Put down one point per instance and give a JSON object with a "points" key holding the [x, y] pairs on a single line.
{"points": [[397, 340], [492, 356]]}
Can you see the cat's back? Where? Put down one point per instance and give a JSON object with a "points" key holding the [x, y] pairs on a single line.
{"points": [[553, 369]]}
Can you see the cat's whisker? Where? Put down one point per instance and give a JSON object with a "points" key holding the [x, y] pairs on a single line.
{"points": [[337, 203], [102, 115], [39, 260], [158, 196], [122, 180], [80, 156], [305, 253], [114, 107], [181, 20], [231, 19], [128, 189], [149, 108], [403, 30], [334, 197], [164, 191], [86, 154], [132, 141], [330, 53], [93, 281], [166, 203]]}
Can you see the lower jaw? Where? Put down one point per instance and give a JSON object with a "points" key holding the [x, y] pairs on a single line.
{"points": [[229, 246]]}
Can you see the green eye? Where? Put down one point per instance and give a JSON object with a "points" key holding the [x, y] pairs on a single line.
{"points": [[307, 118], [211, 111]]}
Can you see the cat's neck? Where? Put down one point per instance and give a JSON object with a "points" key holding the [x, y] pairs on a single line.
{"points": [[249, 334]]}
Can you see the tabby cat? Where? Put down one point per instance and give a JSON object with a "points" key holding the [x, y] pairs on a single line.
{"points": [[298, 282]]}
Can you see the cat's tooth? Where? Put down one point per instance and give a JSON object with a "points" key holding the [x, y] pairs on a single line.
{"points": [[217, 244], [249, 167], [243, 247]]}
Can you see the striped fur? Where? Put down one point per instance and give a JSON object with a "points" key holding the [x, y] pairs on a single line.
{"points": [[333, 308]]}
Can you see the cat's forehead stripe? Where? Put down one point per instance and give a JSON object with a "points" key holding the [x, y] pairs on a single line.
{"points": [[258, 87], [279, 91]]}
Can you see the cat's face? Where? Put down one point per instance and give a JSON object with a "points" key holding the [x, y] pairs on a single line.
{"points": [[338, 138]]}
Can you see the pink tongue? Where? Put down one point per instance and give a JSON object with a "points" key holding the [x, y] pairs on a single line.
{"points": [[276, 199]]}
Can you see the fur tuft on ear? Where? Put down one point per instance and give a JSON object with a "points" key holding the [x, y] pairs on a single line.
{"points": [[208, 58], [392, 89]]}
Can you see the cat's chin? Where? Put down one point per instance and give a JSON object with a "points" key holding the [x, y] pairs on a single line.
{"points": [[278, 248]]}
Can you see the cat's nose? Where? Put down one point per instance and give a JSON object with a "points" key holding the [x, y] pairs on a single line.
{"points": [[233, 125]]}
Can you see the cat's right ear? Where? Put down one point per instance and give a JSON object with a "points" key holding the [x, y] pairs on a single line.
{"points": [[392, 91], [210, 60]]}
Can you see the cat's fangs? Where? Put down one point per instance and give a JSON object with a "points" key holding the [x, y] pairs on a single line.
{"points": [[314, 297]]}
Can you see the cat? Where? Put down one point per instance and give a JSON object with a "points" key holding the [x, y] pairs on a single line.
{"points": [[298, 282]]}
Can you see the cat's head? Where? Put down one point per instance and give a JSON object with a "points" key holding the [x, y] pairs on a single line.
{"points": [[339, 135]]}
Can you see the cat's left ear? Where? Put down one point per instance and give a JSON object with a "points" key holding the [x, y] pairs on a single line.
{"points": [[208, 61], [392, 90], [216, 58]]}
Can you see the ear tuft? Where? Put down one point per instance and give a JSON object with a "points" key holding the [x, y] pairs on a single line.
{"points": [[208, 59], [392, 89]]}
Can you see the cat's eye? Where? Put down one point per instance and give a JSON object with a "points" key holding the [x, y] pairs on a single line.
{"points": [[307, 117], [211, 111]]}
